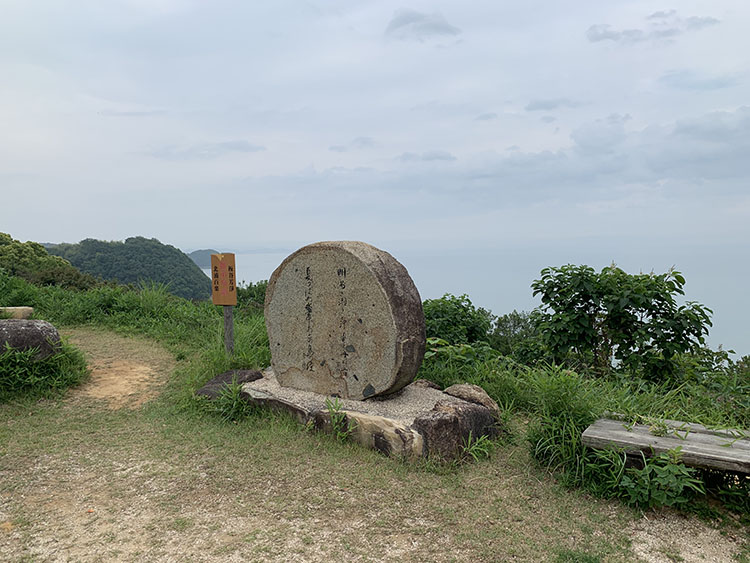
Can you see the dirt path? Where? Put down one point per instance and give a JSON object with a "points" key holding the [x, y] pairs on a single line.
{"points": [[125, 372], [98, 480]]}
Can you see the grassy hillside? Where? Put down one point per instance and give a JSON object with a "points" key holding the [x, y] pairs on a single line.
{"points": [[135, 260]]}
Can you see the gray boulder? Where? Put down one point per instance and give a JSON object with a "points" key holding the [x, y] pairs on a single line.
{"points": [[474, 394], [447, 427], [24, 334]]}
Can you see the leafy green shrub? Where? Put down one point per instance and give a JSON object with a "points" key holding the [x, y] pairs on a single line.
{"points": [[456, 320], [461, 353], [662, 481], [23, 376], [252, 296], [60, 275], [517, 335], [597, 318]]}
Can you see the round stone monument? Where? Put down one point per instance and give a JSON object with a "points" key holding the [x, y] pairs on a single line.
{"points": [[344, 318]]}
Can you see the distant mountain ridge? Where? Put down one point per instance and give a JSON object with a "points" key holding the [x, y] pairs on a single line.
{"points": [[138, 259], [202, 257]]}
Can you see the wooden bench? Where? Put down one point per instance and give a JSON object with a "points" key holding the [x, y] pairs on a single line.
{"points": [[725, 449]]}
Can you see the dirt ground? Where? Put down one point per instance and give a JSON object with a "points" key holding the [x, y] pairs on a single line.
{"points": [[131, 506], [125, 372]]}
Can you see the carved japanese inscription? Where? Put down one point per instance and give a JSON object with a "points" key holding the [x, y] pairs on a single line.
{"points": [[344, 318]]}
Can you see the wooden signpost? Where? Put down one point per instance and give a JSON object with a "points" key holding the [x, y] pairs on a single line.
{"points": [[224, 292]]}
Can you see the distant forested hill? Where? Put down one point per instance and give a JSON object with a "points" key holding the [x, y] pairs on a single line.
{"points": [[30, 261], [137, 259], [203, 257]]}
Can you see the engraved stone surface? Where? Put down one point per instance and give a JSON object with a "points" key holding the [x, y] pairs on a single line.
{"points": [[344, 318]]}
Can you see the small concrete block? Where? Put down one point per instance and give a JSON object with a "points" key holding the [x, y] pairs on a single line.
{"points": [[16, 312]]}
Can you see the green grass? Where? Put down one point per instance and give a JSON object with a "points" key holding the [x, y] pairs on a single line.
{"points": [[264, 478], [23, 377]]}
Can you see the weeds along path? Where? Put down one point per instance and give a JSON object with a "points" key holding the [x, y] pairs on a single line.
{"points": [[114, 473]]}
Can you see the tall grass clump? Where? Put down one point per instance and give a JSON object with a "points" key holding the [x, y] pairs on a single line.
{"points": [[22, 376], [504, 379], [564, 406], [149, 309]]}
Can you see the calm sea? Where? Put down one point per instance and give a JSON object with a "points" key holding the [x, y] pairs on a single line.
{"points": [[255, 267]]}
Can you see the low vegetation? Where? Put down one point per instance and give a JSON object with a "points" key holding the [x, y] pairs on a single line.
{"points": [[608, 342], [23, 376]]}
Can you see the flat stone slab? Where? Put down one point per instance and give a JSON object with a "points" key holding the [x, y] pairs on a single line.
{"points": [[16, 312], [344, 318], [419, 421]]}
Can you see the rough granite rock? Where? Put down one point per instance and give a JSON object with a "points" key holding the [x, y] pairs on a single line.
{"points": [[24, 334], [388, 436], [426, 383], [474, 394], [214, 387], [447, 427], [345, 319]]}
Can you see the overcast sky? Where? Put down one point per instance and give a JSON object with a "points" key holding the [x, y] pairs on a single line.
{"points": [[476, 141]]}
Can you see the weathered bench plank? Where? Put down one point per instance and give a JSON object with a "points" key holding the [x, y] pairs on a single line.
{"points": [[727, 450]]}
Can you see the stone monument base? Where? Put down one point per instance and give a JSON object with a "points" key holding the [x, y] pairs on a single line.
{"points": [[418, 421]]}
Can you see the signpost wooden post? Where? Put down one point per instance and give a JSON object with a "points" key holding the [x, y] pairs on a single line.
{"points": [[224, 292]]}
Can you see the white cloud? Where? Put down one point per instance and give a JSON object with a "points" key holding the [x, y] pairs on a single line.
{"points": [[660, 26], [550, 104], [427, 156], [204, 151], [410, 24]]}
